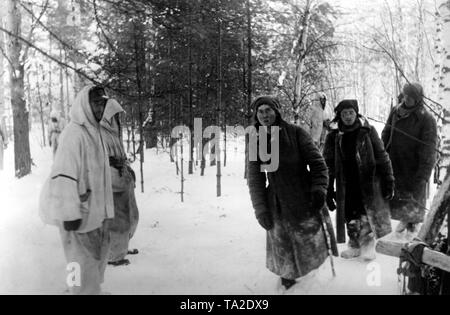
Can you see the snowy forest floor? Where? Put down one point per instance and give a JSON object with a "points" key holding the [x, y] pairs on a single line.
{"points": [[205, 246]]}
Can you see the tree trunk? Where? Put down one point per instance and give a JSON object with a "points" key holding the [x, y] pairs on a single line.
{"points": [[138, 62], [301, 54], [171, 105], [182, 168], [224, 128], [2, 71], [444, 8], [191, 115], [41, 108], [50, 96], [219, 108], [67, 76], [29, 101], [438, 40], [249, 80], [61, 87], [22, 156]]}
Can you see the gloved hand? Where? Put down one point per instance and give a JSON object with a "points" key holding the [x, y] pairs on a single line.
{"points": [[72, 225], [318, 200], [266, 221], [118, 164], [85, 197], [387, 189], [331, 197]]}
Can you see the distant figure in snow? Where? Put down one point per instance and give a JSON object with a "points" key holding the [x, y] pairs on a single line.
{"points": [[327, 116], [318, 119], [357, 160], [123, 179], [3, 141], [56, 126], [78, 197], [410, 138], [289, 207]]}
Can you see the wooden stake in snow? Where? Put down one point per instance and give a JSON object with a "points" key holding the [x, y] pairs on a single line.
{"points": [[191, 114], [137, 50], [175, 145], [182, 173], [219, 107]]}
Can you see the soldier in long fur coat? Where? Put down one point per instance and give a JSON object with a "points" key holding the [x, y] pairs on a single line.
{"points": [[288, 208], [357, 160]]}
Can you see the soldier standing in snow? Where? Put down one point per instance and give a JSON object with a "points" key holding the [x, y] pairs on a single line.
{"points": [[317, 118], [327, 116], [410, 138], [78, 195], [3, 142], [126, 213], [55, 128], [357, 160], [289, 207]]}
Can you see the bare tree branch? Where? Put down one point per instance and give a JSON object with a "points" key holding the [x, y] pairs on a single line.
{"points": [[33, 27], [79, 71]]}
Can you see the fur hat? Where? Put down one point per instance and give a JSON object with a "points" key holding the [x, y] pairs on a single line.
{"points": [[414, 90], [347, 104]]}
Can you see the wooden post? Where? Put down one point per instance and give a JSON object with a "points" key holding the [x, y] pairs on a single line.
{"points": [[438, 211], [182, 169], [430, 257], [428, 232], [219, 107], [191, 113]]}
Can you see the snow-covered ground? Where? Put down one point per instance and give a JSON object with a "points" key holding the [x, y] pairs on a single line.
{"points": [[206, 245]]}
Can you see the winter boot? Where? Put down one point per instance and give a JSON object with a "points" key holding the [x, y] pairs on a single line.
{"points": [[412, 229], [367, 240], [123, 262], [353, 231], [287, 283], [133, 252], [401, 227], [351, 252]]}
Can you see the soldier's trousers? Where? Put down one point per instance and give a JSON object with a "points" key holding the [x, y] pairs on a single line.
{"points": [[87, 253]]}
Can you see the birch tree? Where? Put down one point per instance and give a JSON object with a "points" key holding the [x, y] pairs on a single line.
{"points": [[22, 155], [444, 10], [2, 65]]}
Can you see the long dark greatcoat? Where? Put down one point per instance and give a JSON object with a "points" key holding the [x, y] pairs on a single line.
{"points": [[374, 167], [296, 245], [410, 142]]}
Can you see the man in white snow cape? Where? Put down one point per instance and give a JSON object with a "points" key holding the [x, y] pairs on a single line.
{"points": [[78, 195]]}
